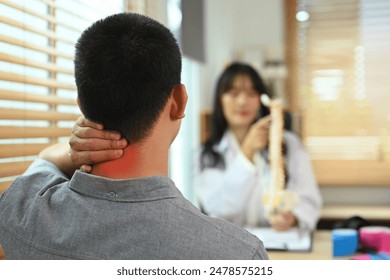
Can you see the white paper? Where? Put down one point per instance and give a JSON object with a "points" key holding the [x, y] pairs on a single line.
{"points": [[290, 240]]}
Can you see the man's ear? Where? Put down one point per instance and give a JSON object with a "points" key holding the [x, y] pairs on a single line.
{"points": [[179, 102]]}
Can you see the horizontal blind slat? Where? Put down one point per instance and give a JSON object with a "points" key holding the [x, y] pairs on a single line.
{"points": [[11, 132], [20, 114], [30, 97], [3, 186], [11, 77], [46, 17], [13, 168], [20, 150], [48, 34], [44, 49], [41, 65], [349, 172], [65, 9]]}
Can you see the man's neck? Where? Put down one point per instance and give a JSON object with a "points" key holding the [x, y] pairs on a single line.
{"points": [[137, 161]]}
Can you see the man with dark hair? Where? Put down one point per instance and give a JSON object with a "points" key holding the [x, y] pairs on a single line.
{"points": [[127, 70]]}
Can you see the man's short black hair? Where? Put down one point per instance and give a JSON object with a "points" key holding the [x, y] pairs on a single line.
{"points": [[125, 67]]}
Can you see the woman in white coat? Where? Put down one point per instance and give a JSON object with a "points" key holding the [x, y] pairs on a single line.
{"points": [[231, 170]]}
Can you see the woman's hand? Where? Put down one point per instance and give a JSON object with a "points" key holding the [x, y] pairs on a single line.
{"points": [[91, 144], [282, 221], [256, 138]]}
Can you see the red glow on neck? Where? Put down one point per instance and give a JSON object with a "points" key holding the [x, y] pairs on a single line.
{"points": [[127, 166]]}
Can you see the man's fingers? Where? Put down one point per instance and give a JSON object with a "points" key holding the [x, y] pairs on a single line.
{"points": [[88, 132], [86, 168], [88, 158], [101, 156], [84, 122], [93, 144]]}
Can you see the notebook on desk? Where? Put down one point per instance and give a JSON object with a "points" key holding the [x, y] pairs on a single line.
{"points": [[290, 240]]}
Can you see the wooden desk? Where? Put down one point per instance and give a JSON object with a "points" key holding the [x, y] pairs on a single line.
{"points": [[321, 249]]}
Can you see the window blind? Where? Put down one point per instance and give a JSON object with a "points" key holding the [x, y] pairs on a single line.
{"points": [[37, 89], [343, 89]]}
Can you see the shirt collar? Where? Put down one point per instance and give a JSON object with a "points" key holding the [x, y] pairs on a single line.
{"points": [[124, 190], [228, 141], [223, 145]]}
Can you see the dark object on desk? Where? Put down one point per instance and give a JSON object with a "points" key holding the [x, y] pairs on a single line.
{"points": [[355, 222]]}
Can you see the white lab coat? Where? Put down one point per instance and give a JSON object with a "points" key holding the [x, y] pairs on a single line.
{"points": [[236, 192]]}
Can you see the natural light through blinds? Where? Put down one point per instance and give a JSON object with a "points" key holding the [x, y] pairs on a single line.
{"points": [[37, 89], [344, 87]]}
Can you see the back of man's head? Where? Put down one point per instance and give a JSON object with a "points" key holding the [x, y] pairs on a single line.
{"points": [[125, 67]]}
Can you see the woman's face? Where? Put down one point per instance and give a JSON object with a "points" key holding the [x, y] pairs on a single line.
{"points": [[241, 104]]}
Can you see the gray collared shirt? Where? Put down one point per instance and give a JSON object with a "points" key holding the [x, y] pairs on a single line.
{"points": [[44, 215]]}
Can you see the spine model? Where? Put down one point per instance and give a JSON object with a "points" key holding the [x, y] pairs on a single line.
{"points": [[275, 147], [275, 196]]}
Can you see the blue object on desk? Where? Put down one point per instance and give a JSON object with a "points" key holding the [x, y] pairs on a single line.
{"points": [[379, 256], [345, 242]]}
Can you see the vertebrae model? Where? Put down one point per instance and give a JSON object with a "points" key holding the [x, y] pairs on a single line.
{"points": [[275, 146], [275, 197]]}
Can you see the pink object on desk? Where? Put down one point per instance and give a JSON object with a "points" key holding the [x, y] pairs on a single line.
{"points": [[385, 244], [375, 237], [362, 257]]}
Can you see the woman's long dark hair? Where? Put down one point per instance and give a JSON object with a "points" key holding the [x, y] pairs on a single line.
{"points": [[218, 124]]}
